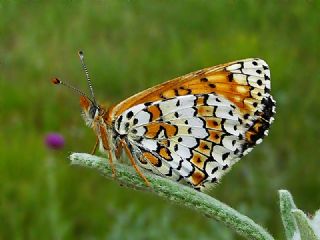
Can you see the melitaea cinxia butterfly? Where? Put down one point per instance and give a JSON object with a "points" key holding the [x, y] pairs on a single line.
{"points": [[192, 128]]}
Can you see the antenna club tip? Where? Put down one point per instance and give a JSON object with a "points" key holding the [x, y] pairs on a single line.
{"points": [[55, 81], [80, 53]]}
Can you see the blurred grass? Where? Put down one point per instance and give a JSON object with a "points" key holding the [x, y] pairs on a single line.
{"points": [[129, 46]]}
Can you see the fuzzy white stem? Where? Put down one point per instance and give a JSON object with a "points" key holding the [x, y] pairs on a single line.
{"points": [[181, 195]]}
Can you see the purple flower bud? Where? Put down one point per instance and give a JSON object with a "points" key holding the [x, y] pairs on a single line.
{"points": [[54, 141]]}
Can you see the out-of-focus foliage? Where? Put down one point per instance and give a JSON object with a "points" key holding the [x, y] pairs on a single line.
{"points": [[129, 46]]}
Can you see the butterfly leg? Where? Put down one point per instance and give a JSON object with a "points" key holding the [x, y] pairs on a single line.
{"points": [[134, 164], [106, 146], [95, 146], [113, 169], [118, 150]]}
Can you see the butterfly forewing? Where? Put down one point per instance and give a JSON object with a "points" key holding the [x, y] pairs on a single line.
{"points": [[193, 128]]}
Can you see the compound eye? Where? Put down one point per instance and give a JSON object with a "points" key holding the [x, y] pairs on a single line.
{"points": [[92, 111]]}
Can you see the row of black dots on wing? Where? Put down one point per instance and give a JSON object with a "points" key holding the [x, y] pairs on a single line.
{"points": [[239, 67]]}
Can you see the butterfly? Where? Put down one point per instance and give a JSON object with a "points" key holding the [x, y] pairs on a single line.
{"points": [[191, 129]]}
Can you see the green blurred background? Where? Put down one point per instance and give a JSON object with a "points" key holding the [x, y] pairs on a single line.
{"points": [[129, 46]]}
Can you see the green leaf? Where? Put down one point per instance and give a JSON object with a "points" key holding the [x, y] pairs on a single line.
{"points": [[315, 222], [175, 192], [286, 207], [305, 229]]}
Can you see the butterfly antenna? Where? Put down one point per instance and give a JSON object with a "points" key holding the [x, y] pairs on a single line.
{"points": [[58, 81], [84, 66]]}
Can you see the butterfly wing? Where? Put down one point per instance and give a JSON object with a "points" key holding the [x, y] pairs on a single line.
{"points": [[195, 127]]}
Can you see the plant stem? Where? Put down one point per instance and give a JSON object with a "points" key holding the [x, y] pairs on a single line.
{"points": [[178, 193]]}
